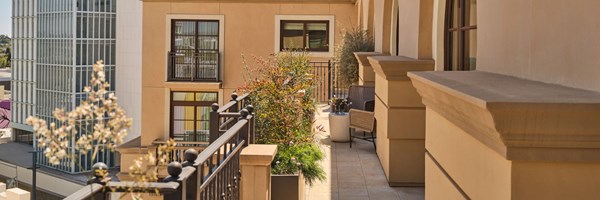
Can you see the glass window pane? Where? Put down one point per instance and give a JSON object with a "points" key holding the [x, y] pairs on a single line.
{"points": [[293, 35], [185, 42], [454, 51], [203, 113], [206, 96], [185, 27], [454, 13], [183, 96], [317, 36], [472, 49], [473, 12], [208, 28], [202, 131], [208, 42]]}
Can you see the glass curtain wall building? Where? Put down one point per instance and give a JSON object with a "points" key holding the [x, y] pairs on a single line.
{"points": [[71, 36], [23, 65]]}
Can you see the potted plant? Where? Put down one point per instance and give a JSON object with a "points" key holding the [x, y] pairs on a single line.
{"points": [[281, 91], [339, 120]]}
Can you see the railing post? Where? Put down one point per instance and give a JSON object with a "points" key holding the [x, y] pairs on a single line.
{"points": [[243, 134], [190, 157], [214, 123], [235, 107], [329, 80], [175, 168], [251, 133]]}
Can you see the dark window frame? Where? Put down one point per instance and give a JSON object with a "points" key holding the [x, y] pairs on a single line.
{"points": [[304, 42], [461, 29], [196, 34], [196, 103]]}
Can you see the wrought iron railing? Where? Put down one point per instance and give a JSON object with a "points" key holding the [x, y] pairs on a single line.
{"points": [[222, 118], [214, 173], [194, 66], [328, 82]]}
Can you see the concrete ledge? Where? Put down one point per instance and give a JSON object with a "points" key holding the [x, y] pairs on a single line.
{"points": [[258, 155], [366, 74], [519, 119], [362, 57], [396, 68]]}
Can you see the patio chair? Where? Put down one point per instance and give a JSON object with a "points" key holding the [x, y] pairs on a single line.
{"points": [[364, 121], [361, 97]]}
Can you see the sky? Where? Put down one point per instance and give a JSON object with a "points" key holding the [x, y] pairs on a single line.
{"points": [[5, 14]]}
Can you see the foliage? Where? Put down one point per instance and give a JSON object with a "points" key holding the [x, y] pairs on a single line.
{"points": [[4, 62], [109, 126], [303, 157], [4, 39], [281, 91], [355, 40], [5, 57], [100, 111], [338, 105]]}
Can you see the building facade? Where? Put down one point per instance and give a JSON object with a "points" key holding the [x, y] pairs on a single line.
{"points": [[194, 54], [23, 98], [63, 42], [175, 33], [493, 99]]}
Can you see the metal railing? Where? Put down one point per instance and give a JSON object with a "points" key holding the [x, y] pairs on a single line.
{"points": [[222, 118], [328, 83], [194, 66], [214, 173], [178, 153]]}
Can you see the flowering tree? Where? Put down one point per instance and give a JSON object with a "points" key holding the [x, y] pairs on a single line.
{"points": [[100, 110]]}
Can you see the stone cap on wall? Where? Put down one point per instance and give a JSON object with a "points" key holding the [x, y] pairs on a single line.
{"points": [[361, 57], [396, 68], [518, 118], [258, 154]]}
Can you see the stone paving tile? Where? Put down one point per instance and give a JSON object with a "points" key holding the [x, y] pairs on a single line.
{"points": [[354, 173]]}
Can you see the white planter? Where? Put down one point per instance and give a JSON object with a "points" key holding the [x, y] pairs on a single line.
{"points": [[338, 127]]}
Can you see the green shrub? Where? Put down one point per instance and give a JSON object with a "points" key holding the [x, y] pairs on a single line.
{"points": [[291, 159], [282, 95], [355, 40], [4, 62]]}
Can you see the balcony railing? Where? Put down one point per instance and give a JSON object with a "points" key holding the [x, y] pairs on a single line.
{"points": [[214, 173], [194, 66]]}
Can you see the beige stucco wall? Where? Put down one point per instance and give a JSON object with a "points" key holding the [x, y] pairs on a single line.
{"points": [[553, 41], [382, 25], [249, 29]]}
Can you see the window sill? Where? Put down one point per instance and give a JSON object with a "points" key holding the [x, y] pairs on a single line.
{"points": [[194, 86]]}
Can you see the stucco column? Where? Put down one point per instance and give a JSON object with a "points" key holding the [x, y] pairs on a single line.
{"points": [[366, 75], [255, 164], [497, 137], [400, 119]]}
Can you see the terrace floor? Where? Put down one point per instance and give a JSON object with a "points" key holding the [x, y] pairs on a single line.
{"points": [[354, 173]]}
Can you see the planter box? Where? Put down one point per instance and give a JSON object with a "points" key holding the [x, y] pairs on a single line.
{"points": [[288, 187]]}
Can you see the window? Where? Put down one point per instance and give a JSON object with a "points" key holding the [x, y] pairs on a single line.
{"points": [[194, 35], [304, 35], [194, 52], [190, 115], [461, 35]]}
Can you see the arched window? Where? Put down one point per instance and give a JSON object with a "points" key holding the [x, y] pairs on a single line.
{"points": [[461, 35]]}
